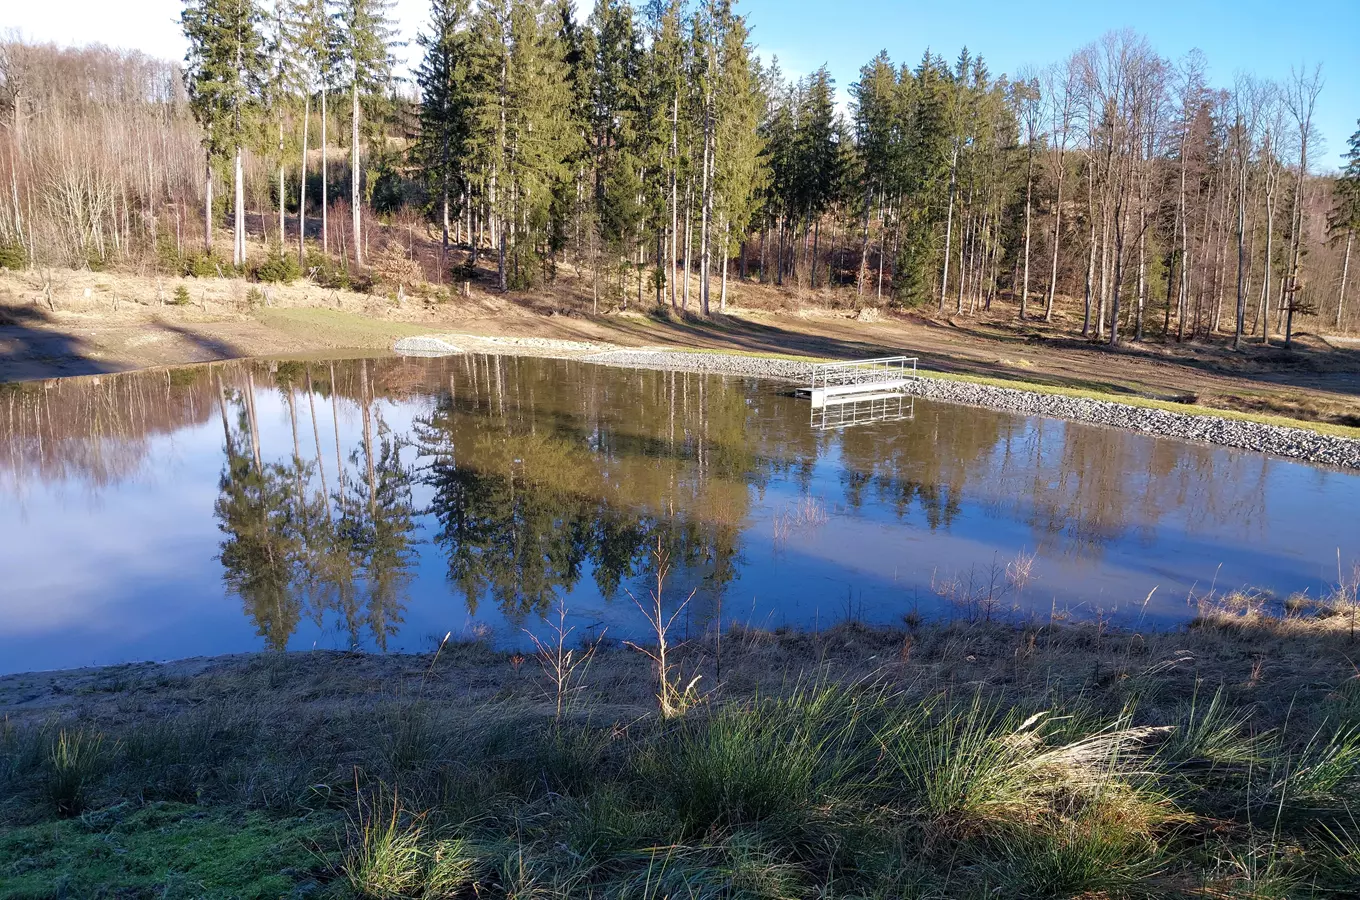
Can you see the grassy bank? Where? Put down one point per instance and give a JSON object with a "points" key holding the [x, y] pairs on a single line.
{"points": [[949, 760]]}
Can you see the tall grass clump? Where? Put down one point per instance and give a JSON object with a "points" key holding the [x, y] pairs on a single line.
{"points": [[1077, 858], [74, 761], [1324, 776], [393, 855], [975, 769], [775, 763]]}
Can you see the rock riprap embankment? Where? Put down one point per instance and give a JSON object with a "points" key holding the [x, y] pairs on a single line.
{"points": [[425, 346], [1294, 443]]}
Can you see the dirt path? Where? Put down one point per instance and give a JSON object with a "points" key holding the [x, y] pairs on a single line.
{"points": [[97, 323]]}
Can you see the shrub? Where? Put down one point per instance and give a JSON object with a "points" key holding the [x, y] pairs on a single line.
{"points": [[13, 256], [204, 265], [393, 266], [181, 296], [327, 271], [279, 267]]}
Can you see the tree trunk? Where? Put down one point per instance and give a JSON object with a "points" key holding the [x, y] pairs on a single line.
{"points": [[325, 176], [1142, 270], [302, 184], [1029, 187], [1103, 299], [675, 195], [1241, 255], [816, 260], [949, 225], [207, 208], [354, 175], [689, 237], [238, 256], [1265, 282], [1183, 299], [283, 233], [864, 244], [1118, 266], [1057, 236], [1345, 273], [706, 203], [727, 239]]}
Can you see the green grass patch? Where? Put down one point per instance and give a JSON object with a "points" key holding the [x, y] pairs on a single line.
{"points": [[338, 328], [165, 850]]}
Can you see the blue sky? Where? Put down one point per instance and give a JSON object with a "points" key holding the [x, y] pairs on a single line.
{"points": [[1249, 35], [1265, 38]]}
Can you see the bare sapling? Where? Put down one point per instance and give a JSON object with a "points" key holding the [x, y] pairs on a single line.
{"points": [[563, 668], [674, 700], [982, 595]]}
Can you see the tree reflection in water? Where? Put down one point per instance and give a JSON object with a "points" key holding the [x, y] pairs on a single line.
{"points": [[531, 480], [289, 551]]}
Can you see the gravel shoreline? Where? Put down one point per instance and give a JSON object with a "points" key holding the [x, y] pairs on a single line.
{"points": [[1276, 440]]}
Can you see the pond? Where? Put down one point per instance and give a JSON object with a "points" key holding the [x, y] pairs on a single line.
{"points": [[384, 503]]}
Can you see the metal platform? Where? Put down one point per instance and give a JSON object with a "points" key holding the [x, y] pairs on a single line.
{"points": [[866, 390]]}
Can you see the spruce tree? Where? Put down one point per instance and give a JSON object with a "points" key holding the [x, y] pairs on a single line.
{"points": [[285, 77], [1345, 215], [877, 131], [314, 40], [817, 157], [369, 37], [444, 108], [665, 83], [615, 124], [739, 171], [222, 74]]}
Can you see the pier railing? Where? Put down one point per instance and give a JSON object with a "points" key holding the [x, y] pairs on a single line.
{"points": [[838, 382]]}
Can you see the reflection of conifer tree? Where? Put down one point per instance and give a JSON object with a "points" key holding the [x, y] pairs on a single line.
{"points": [[377, 523], [529, 496], [256, 513]]}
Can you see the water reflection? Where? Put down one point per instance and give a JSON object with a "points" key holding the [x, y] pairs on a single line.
{"points": [[381, 503]]}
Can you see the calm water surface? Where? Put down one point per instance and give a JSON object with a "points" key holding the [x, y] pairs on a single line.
{"points": [[383, 503]]}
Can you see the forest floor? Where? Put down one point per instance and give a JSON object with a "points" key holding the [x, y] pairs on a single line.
{"points": [[68, 322], [956, 759]]}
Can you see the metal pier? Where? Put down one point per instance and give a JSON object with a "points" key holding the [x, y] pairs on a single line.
{"points": [[866, 390]]}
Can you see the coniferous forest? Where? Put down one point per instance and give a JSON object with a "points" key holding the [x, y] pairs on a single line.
{"points": [[653, 154]]}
